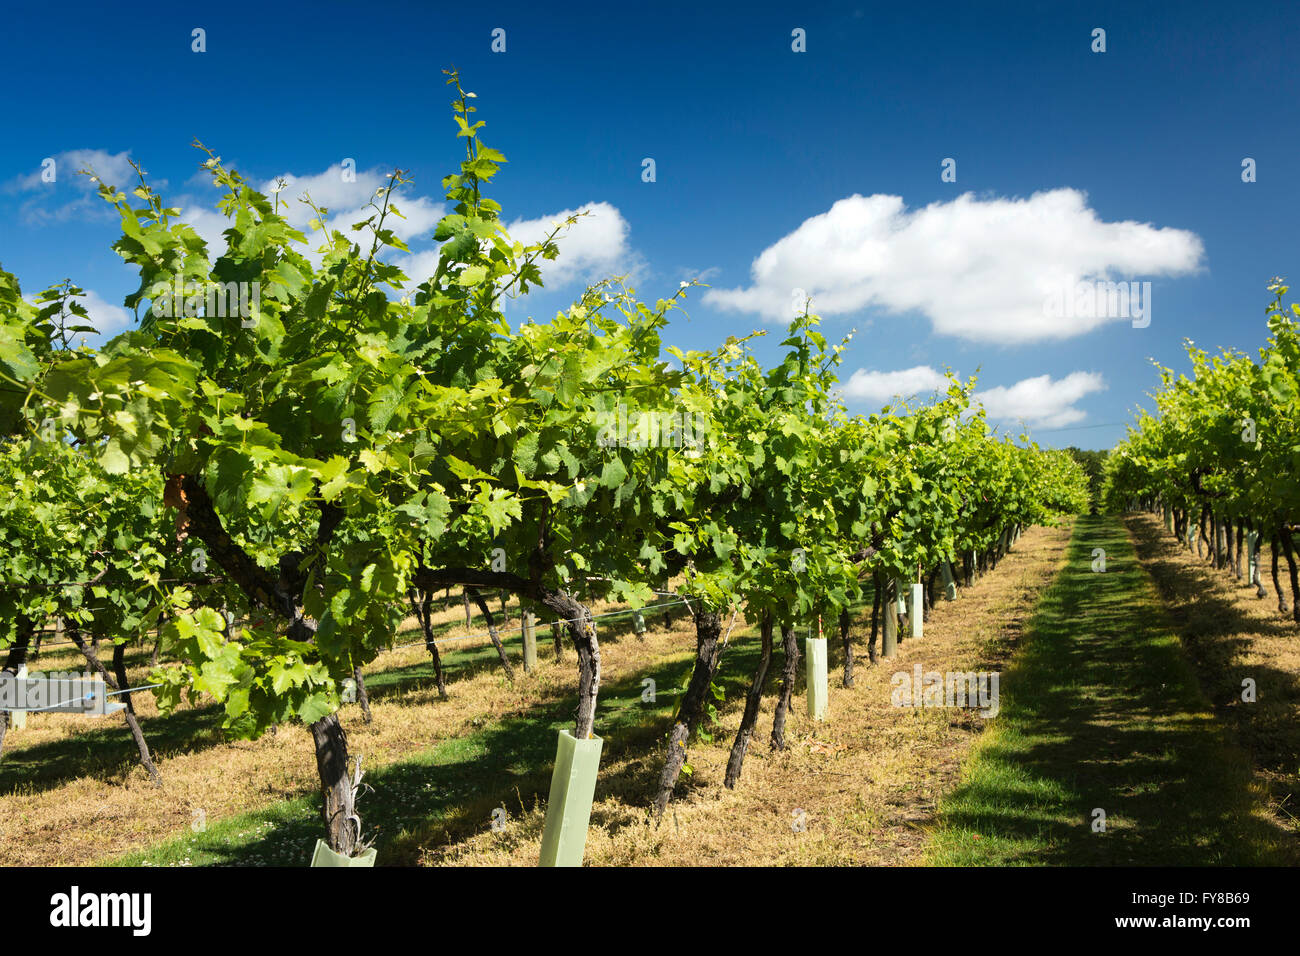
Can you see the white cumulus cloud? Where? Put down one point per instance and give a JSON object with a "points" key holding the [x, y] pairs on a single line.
{"points": [[878, 388], [1042, 401], [594, 247], [107, 318], [346, 202], [978, 269]]}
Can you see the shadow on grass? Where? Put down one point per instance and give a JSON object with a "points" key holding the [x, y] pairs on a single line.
{"points": [[448, 792], [106, 750], [1102, 710], [1218, 635]]}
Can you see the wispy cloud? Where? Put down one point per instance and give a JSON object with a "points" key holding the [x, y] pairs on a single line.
{"points": [[56, 192], [108, 318]]}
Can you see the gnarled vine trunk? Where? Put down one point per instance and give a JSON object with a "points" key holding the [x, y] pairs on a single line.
{"points": [[575, 615], [708, 649], [583, 633], [478, 599], [137, 733], [789, 675], [846, 621], [1292, 573], [14, 660], [424, 614], [362, 697], [342, 825], [1277, 584], [736, 762]]}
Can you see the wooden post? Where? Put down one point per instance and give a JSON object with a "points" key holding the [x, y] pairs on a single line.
{"points": [[557, 632], [530, 641]]}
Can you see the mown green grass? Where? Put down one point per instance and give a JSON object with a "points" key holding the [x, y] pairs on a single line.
{"points": [[1102, 709]]}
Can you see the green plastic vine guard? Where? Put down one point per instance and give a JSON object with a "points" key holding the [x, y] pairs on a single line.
{"points": [[324, 856], [568, 809], [889, 640], [917, 616], [818, 694], [18, 718], [949, 584]]}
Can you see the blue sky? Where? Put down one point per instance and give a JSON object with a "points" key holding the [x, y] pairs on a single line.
{"points": [[774, 169]]}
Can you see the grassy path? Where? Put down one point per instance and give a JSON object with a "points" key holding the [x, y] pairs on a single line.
{"points": [[1102, 709]]}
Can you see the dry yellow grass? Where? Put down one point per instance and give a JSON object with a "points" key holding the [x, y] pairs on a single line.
{"points": [[87, 819], [867, 779]]}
